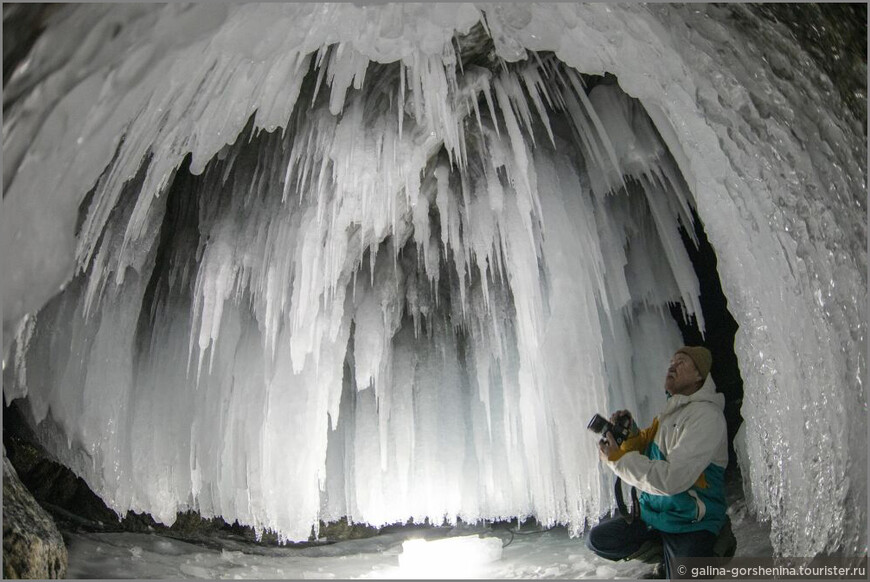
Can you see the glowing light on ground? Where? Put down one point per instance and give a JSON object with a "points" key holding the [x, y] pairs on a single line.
{"points": [[460, 557]]}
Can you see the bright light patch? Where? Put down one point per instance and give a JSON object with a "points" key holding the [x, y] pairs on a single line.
{"points": [[459, 557]]}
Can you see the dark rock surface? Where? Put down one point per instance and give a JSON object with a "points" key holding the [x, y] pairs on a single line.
{"points": [[32, 545], [335, 531], [835, 36]]}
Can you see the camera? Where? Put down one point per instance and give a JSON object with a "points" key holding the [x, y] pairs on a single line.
{"points": [[620, 430]]}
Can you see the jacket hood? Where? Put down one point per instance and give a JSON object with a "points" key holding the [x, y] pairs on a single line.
{"points": [[707, 393]]}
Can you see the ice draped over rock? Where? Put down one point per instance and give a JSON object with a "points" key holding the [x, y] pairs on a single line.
{"points": [[385, 285]]}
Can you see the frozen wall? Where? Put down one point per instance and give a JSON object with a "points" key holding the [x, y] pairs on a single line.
{"points": [[452, 268]]}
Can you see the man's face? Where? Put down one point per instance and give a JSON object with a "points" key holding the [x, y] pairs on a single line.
{"points": [[682, 376]]}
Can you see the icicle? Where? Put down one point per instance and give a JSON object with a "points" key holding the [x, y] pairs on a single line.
{"points": [[535, 86], [321, 70], [401, 99], [601, 133], [487, 93]]}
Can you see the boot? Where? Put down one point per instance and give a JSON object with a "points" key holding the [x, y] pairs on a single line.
{"points": [[649, 551]]}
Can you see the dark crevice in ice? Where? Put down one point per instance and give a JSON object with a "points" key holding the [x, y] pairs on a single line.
{"points": [[720, 329]]}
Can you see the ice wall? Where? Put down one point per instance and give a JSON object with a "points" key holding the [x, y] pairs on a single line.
{"points": [[424, 257]]}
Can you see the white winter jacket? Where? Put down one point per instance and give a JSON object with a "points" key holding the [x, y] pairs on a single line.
{"points": [[678, 464]]}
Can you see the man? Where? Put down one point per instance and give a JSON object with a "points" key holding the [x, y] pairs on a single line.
{"points": [[678, 464]]}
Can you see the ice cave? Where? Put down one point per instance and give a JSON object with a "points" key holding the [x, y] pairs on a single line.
{"points": [[290, 265]]}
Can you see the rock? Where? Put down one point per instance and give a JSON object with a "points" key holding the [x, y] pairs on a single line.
{"points": [[55, 487], [341, 530], [32, 544]]}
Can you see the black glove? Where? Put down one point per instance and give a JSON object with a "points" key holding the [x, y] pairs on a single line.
{"points": [[624, 418]]}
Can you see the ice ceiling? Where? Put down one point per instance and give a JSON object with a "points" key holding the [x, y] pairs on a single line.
{"points": [[312, 262]]}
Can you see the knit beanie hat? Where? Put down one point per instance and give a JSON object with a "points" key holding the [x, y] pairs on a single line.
{"points": [[701, 356]]}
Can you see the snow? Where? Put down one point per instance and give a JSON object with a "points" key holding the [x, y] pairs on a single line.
{"points": [[493, 553], [384, 300]]}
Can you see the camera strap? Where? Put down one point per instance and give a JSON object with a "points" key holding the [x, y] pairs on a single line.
{"points": [[629, 515]]}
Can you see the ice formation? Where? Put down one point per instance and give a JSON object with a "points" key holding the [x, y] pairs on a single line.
{"points": [[312, 265]]}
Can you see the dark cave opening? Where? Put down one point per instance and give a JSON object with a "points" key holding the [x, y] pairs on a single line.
{"points": [[720, 329]]}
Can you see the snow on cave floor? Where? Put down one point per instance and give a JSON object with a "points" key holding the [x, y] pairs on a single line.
{"points": [[550, 554]]}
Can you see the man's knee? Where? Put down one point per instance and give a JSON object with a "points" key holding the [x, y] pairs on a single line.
{"points": [[613, 539], [592, 539]]}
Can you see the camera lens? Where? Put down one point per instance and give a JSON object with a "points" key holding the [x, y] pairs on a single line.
{"points": [[598, 424]]}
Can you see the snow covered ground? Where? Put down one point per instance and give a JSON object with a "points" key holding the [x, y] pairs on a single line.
{"points": [[549, 554]]}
